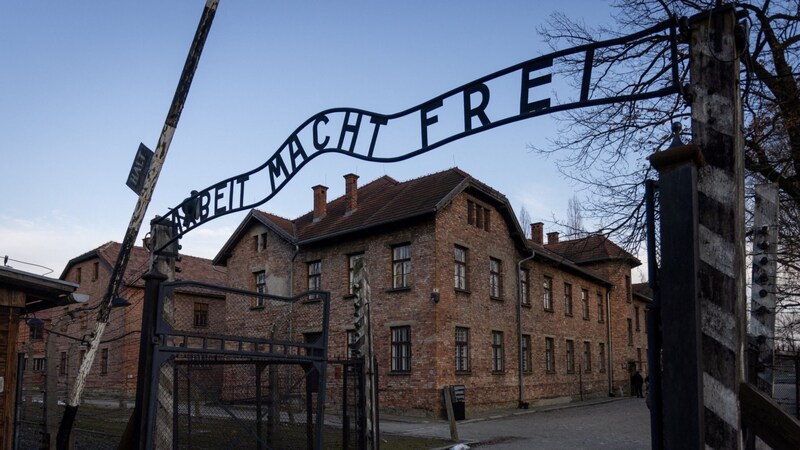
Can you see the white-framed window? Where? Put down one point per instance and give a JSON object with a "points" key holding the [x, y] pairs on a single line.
{"points": [[460, 268], [547, 286], [567, 299], [498, 353], [462, 349], [549, 355], [527, 359], [524, 290], [314, 277], [401, 266], [261, 287], [570, 356], [351, 271], [495, 278], [401, 349]]}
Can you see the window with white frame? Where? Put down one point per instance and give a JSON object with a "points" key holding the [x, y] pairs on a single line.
{"points": [[401, 266], [527, 365], [462, 349], [401, 349], [524, 291], [570, 356], [261, 287], [549, 354], [351, 277], [314, 278], [460, 268], [547, 287], [495, 278], [567, 299], [498, 356]]}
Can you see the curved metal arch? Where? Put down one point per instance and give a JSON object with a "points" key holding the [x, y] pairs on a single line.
{"points": [[204, 205]]}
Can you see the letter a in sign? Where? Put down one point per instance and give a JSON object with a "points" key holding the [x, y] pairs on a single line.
{"points": [[139, 169]]}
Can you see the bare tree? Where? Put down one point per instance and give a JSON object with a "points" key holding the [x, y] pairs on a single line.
{"points": [[606, 146], [574, 223]]}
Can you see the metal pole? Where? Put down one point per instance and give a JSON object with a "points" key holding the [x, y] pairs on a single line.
{"points": [[683, 412], [164, 140], [653, 324]]}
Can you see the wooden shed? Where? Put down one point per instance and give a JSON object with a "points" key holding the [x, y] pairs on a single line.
{"points": [[21, 293]]}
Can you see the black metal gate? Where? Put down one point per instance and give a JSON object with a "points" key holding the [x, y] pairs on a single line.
{"points": [[240, 369]]}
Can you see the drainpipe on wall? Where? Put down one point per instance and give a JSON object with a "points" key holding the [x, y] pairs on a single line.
{"points": [[520, 401], [610, 362]]}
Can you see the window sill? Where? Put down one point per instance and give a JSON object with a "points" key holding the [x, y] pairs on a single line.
{"points": [[550, 310], [312, 300], [400, 374], [256, 308], [586, 319], [497, 299], [527, 305], [463, 291], [463, 372], [399, 289], [349, 296], [498, 372], [568, 315]]}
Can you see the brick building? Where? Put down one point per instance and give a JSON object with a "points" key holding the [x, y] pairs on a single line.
{"points": [[65, 334], [459, 295]]}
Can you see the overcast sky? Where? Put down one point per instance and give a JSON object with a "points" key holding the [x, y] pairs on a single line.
{"points": [[83, 83]]}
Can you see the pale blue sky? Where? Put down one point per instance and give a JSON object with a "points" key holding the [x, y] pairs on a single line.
{"points": [[82, 83]]}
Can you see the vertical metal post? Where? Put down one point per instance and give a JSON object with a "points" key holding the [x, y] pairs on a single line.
{"points": [[717, 131], [654, 344], [152, 287], [259, 368], [175, 407], [683, 410], [345, 417]]}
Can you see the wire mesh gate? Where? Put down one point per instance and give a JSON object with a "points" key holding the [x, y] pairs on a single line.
{"points": [[240, 369]]}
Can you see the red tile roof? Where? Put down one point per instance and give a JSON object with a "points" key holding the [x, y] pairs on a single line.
{"points": [[192, 268], [591, 249], [380, 202]]}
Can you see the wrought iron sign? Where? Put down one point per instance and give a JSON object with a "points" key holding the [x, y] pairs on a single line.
{"points": [[536, 86]]}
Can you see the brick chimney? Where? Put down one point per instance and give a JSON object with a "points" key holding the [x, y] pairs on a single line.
{"points": [[537, 230], [351, 192], [552, 238], [320, 202]]}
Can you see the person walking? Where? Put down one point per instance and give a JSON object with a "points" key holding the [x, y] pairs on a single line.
{"points": [[636, 382]]}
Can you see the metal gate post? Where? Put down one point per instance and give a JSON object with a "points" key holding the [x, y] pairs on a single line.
{"points": [[682, 377]]}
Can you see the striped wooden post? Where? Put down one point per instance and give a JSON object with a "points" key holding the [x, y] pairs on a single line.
{"points": [[716, 130]]}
